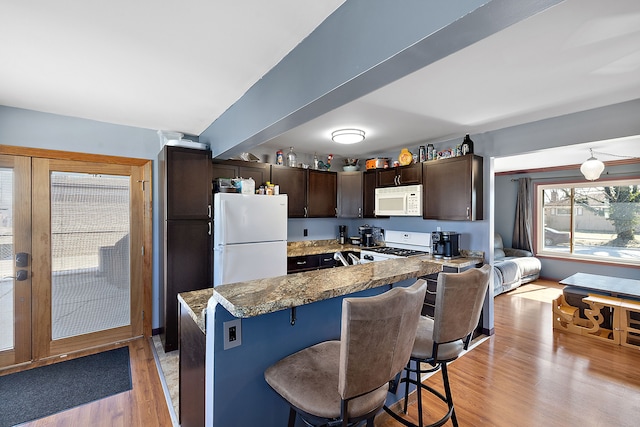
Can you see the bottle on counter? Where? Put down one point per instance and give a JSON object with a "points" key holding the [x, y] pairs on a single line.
{"points": [[422, 153], [316, 163], [279, 157]]}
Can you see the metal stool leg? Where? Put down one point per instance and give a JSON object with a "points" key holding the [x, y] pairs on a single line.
{"points": [[447, 389]]}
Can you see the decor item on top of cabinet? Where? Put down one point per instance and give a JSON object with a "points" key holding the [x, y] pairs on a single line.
{"points": [[467, 145], [431, 152], [291, 158], [377, 163], [350, 165], [279, 157], [422, 151], [405, 157]]}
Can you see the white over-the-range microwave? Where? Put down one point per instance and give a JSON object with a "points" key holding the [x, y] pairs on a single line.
{"points": [[403, 200]]}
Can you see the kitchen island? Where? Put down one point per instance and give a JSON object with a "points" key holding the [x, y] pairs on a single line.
{"points": [[277, 316]]}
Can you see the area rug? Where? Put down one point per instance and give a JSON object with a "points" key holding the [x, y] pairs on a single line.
{"points": [[39, 392]]}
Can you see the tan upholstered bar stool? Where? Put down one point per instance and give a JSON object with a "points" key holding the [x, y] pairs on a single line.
{"points": [[340, 383], [459, 301]]}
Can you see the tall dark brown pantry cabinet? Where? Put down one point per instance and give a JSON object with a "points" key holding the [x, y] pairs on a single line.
{"points": [[186, 213]]}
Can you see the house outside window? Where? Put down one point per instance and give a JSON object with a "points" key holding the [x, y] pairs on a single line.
{"points": [[589, 220]]}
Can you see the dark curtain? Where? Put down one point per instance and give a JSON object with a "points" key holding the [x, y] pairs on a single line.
{"points": [[524, 216]]}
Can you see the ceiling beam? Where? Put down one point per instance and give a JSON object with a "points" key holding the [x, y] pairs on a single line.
{"points": [[363, 46]]}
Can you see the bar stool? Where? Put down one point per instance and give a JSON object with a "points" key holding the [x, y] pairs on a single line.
{"points": [[459, 301], [345, 382]]}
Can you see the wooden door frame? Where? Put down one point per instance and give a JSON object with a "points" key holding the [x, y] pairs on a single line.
{"points": [[144, 178]]}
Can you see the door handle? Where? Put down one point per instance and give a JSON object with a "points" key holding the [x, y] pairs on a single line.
{"points": [[20, 276]]}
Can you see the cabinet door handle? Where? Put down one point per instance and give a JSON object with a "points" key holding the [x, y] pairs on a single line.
{"points": [[359, 212], [301, 262], [305, 212], [209, 210], [336, 209], [209, 228], [468, 212]]}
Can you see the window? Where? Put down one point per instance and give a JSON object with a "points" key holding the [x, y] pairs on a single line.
{"points": [[598, 221]]}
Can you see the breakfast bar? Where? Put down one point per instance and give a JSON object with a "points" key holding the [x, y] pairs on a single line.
{"points": [[274, 318]]}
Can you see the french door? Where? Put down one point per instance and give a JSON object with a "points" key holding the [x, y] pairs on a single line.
{"points": [[73, 238]]}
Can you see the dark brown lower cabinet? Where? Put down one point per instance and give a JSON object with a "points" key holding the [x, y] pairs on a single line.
{"points": [[187, 268], [428, 308], [192, 371]]}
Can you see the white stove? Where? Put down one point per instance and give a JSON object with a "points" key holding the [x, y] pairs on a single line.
{"points": [[398, 244]]}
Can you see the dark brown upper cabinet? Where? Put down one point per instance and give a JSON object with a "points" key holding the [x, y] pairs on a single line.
{"points": [[401, 175], [187, 183], [322, 194], [452, 188], [259, 172], [293, 183], [350, 194], [369, 184], [312, 193]]}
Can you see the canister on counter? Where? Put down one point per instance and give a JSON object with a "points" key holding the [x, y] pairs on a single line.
{"points": [[422, 154]]}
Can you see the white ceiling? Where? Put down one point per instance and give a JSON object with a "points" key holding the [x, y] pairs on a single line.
{"points": [[180, 65], [168, 65]]}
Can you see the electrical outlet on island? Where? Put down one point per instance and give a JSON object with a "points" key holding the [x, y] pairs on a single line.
{"points": [[232, 333]]}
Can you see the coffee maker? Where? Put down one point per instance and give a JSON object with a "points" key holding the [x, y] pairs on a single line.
{"points": [[445, 244]]}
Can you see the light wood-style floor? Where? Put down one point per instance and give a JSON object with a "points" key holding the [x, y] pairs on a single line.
{"points": [[526, 374]]}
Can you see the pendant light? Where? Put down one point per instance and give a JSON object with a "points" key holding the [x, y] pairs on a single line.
{"points": [[592, 168]]}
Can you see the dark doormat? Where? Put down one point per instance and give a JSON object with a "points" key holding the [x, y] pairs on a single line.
{"points": [[39, 392]]}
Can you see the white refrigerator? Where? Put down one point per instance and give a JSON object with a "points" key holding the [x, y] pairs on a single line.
{"points": [[249, 237]]}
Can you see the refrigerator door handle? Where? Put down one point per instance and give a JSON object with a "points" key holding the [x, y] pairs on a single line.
{"points": [[222, 221]]}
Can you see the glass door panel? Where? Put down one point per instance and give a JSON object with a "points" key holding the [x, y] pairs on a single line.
{"points": [[90, 286], [15, 260], [6, 259]]}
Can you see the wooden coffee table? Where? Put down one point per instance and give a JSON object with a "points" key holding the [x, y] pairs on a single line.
{"points": [[616, 286], [622, 296]]}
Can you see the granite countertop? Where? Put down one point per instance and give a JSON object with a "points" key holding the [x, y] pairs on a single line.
{"points": [[314, 247], [263, 296]]}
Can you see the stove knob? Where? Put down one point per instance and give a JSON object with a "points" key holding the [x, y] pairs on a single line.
{"points": [[368, 257]]}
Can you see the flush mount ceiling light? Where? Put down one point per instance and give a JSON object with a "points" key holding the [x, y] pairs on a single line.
{"points": [[347, 136], [592, 168]]}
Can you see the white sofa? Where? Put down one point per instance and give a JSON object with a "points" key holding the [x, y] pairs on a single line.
{"points": [[512, 267]]}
